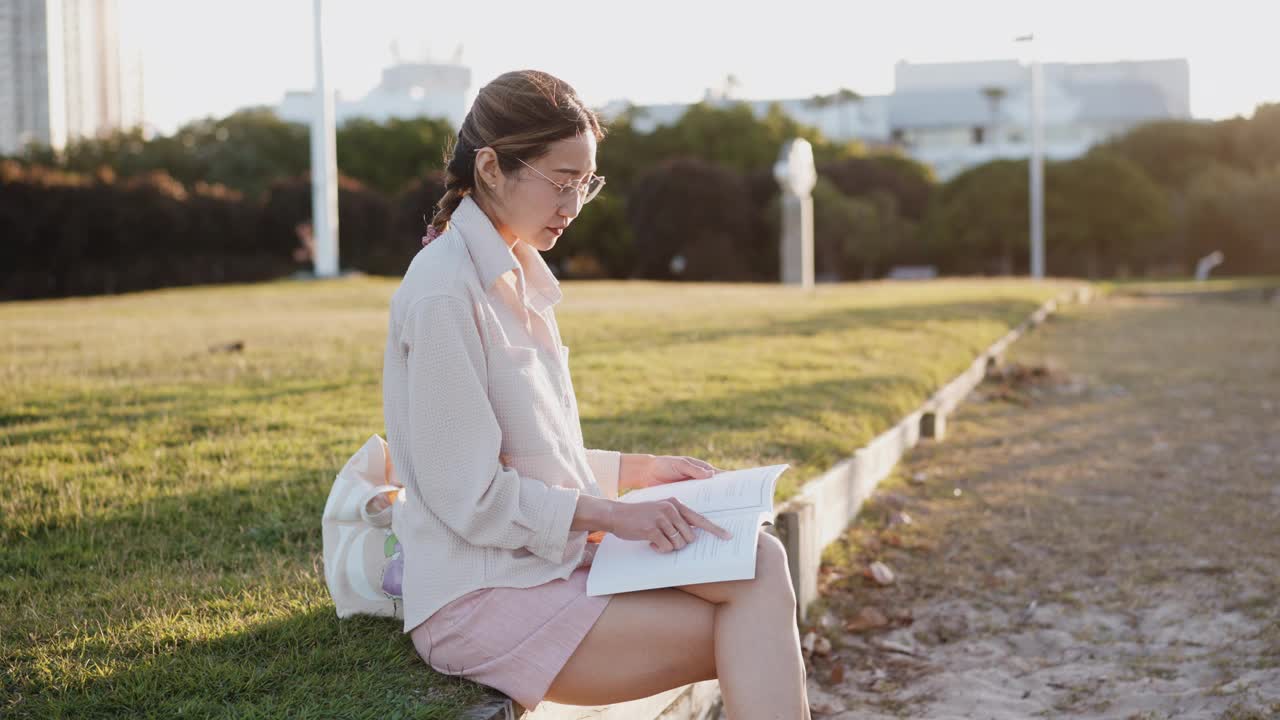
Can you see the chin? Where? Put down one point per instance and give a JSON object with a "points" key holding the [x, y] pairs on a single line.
{"points": [[544, 244]]}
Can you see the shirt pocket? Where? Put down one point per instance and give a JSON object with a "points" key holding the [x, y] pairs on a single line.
{"points": [[524, 400]]}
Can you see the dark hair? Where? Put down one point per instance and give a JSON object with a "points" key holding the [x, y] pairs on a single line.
{"points": [[518, 114]]}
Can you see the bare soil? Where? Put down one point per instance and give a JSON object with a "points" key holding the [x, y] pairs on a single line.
{"points": [[1098, 536]]}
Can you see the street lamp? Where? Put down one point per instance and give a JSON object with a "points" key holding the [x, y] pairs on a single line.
{"points": [[1036, 122], [324, 166]]}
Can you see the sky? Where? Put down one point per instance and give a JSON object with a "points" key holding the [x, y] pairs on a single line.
{"points": [[211, 58]]}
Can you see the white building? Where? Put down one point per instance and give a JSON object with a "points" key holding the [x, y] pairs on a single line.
{"points": [[866, 118], [407, 90], [63, 74], [952, 116]]}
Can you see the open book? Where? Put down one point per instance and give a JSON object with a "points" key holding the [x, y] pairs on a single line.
{"points": [[736, 500]]}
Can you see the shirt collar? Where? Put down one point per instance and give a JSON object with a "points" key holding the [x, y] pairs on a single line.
{"points": [[546, 288], [493, 258]]}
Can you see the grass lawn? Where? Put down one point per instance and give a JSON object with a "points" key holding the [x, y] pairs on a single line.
{"points": [[159, 520]]}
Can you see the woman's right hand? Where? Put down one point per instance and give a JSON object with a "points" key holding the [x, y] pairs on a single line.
{"points": [[667, 524]]}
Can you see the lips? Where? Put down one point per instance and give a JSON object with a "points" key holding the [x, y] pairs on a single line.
{"points": [[558, 231]]}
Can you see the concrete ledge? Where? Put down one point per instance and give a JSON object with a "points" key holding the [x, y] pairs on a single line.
{"points": [[824, 506], [795, 527], [933, 425], [699, 701]]}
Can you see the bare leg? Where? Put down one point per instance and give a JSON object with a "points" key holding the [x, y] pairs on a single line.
{"points": [[644, 642], [757, 643], [742, 631]]}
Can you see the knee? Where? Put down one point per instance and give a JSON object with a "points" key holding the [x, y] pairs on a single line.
{"points": [[772, 571]]}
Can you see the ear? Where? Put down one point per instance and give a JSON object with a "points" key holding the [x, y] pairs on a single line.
{"points": [[487, 170]]}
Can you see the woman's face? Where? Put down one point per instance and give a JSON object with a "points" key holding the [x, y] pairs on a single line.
{"points": [[530, 208]]}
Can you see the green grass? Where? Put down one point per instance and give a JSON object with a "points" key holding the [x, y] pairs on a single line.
{"points": [[159, 520]]}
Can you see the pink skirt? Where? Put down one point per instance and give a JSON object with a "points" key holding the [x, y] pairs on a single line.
{"points": [[515, 640]]}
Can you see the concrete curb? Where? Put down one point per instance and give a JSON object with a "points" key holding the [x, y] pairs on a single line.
{"points": [[818, 514], [823, 508], [699, 701]]}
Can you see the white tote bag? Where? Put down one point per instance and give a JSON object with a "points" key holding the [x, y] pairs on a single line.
{"points": [[363, 563]]}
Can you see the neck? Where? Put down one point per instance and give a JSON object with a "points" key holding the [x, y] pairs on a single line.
{"points": [[490, 213]]}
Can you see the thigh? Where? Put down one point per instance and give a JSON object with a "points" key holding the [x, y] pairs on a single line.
{"points": [[773, 576], [644, 642]]}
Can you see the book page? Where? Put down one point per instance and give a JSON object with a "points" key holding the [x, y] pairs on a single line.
{"points": [[627, 565], [725, 492], [739, 501]]}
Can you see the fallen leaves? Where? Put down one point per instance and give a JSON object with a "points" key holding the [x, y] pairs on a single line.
{"points": [[872, 618], [867, 618]]}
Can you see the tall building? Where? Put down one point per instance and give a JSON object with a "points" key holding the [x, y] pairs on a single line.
{"points": [[63, 72]]}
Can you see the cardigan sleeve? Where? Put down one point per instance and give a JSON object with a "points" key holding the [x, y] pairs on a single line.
{"points": [[606, 466], [455, 440]]}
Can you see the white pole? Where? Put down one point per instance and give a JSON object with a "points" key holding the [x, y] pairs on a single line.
{"points": [[324, 167], [1037, 168]]}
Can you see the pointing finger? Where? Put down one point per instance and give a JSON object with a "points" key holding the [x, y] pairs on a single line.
{"points": [[697, 520]]}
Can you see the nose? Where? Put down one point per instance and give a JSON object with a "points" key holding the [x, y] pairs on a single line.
{"points": [[574, 206]]}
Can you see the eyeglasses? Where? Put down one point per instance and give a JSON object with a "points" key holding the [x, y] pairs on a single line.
{"points": [[586, 190]]}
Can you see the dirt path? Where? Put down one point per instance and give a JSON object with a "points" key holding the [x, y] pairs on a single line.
{"points": [[1098, 536]]}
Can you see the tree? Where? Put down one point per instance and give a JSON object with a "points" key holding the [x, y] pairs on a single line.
{"points": [[980, 216], [855, 235], [388, 156], [1260, 138], [909, 181], [693, 209], [1238, 213], [1104, 211], [1171, 152]]}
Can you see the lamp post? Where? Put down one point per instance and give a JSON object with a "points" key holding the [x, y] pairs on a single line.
{"points": [[324, 166], [1036, 162]]}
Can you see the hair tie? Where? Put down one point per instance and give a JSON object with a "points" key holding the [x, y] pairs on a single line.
{"points": [[432, 234]]}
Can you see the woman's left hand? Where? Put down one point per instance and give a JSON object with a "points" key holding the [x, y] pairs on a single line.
{"points": [[665, 469]]}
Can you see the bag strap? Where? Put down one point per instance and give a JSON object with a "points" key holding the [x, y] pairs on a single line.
{"points": [[382, 518]]}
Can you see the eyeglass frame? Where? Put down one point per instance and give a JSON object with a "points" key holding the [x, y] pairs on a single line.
{"points": [[560, 187]]}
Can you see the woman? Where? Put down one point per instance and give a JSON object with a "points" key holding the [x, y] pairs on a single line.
{"points": [[483, 427]]}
